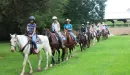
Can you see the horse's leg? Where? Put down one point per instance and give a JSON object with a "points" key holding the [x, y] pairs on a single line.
{"points": [[30, 66], [94, 40], [52, 60], [81, 47], [24, 63], [46, 60], [48, 51], [66, 53], [39, 62], [70, 50], [63, 54], [58, 56]]}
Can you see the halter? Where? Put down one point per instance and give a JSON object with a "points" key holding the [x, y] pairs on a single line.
{"points": [[13, 46]]}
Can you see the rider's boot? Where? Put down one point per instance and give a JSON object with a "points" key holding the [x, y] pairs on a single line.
{"points": [[62, 43], [36, 51]]}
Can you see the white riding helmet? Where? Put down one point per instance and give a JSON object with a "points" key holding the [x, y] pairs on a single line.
{"points": [[54, 18], [31, 18], [82, 24], [68, 20], [87, 22]]}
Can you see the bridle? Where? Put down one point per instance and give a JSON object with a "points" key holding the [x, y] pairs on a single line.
{"points": [[13, 46]]}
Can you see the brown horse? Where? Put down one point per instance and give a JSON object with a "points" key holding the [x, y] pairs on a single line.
{"points": [[104, 34], [54, 43], [82, 40], [69, 43]]}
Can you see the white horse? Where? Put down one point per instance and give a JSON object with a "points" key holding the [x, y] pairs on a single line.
{"points": [[21, 41], [94, 40]]}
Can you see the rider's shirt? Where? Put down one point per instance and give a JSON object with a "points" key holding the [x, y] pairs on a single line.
{"points": [[55, 27], [106, 27], [98, 28], [31, 28], [83, 29], [68, 27]]}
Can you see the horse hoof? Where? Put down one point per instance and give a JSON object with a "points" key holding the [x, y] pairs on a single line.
{"points": [[46, 68], [67, 58], [22, 74], [31, 72], [39, 70], [51, 65]]}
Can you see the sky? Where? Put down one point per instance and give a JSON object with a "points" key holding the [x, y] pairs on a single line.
{"points": [[114, 6]]}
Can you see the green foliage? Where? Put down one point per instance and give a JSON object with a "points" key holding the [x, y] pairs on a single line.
{"points": [[81, 11], [14, 13]]}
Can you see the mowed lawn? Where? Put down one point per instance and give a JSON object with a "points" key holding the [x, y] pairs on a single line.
{"points": [[109, 57]]}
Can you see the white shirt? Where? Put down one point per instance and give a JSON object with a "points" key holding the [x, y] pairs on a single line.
{"points": [[55, 27], [98, 28]]}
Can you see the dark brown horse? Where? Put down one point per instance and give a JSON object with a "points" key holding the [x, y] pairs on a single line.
{"points": [[98, 34], [54, 43], [82, 40]]}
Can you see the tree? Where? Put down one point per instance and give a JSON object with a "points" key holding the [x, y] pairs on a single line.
{"points": [[81, 11]]}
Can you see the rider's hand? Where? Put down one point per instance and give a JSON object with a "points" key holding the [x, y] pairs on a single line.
{"points": [[30, 35]]}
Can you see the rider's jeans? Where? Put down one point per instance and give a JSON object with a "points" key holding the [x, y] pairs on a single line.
{"points": [[73, 36], [34, 37]]}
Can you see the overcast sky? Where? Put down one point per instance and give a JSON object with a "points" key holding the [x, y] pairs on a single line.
{"points": [[117, 6]]}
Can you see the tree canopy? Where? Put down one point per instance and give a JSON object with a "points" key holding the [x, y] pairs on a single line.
{"points": [[14, 13]]}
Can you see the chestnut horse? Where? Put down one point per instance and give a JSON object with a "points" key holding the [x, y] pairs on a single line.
{"points": [[69, 43], [105, 34]]}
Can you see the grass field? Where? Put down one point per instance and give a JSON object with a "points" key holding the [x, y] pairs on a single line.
{"points": [[109, 57]]}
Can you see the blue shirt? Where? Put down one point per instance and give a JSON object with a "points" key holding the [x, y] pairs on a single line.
{"points": [[68, 27], [31, 27], [106, 27]]}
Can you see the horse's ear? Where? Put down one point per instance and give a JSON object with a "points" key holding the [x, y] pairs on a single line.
{"points": [[10, 35], [15, 35]]}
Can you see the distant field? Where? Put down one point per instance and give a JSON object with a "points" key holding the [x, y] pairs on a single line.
{"points": [[118, 23], [109, 57]]}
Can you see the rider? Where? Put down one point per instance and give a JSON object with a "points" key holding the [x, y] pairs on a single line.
{"points": [[88, 27], [56, 28], [83, 30], [92, 30], [106, 28], [31, 28], [97, 28], [69, 27]]}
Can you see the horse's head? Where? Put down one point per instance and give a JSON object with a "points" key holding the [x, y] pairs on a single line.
{"points": [[13, 42]]}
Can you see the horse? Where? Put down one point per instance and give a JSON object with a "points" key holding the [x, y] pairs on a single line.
{"points": [[69, 43], [105, 34], [98, 35], [22, 42], [89, 37], [93, 37], [54, 43], [82, 39]]}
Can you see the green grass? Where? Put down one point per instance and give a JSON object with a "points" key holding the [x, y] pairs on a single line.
{"points": [[109, 57]]}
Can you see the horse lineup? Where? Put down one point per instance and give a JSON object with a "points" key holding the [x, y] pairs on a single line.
{"points": [[53, 40]]}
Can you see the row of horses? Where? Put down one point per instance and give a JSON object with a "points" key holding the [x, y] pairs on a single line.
{"points": [[50, 44]]}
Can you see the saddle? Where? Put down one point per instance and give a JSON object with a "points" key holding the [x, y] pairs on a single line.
{"points": [[38, 41], [54, 38]]}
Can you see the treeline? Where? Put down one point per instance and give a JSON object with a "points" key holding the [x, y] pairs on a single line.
{"points": [[14, 13]]}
